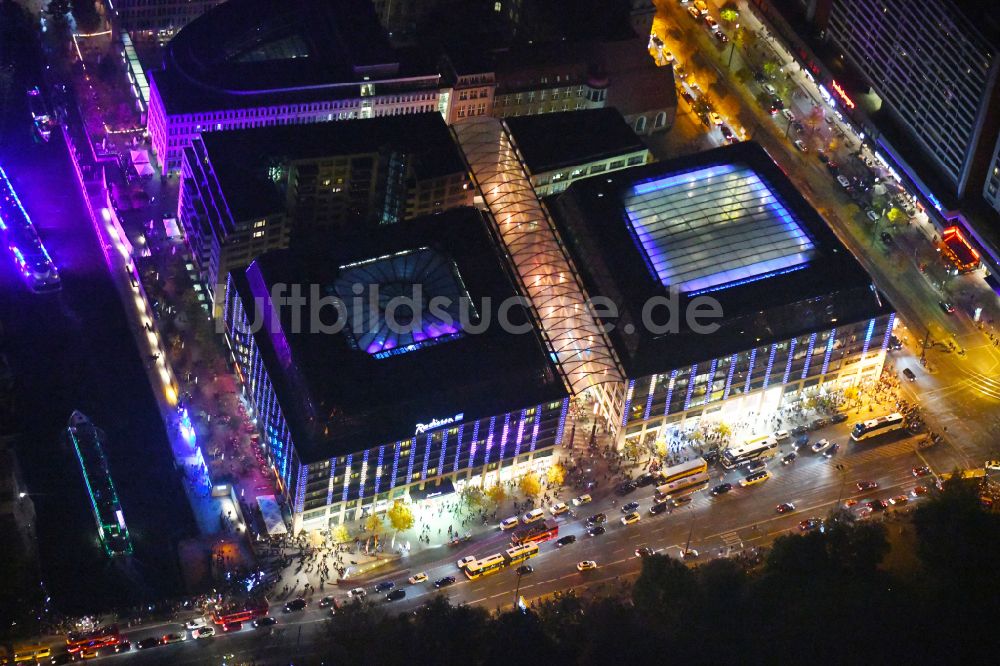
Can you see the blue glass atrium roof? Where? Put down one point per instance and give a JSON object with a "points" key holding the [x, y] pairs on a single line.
{"points": [[388, 300], [714, 227]]}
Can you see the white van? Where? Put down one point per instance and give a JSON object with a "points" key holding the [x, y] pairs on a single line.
{"points": [[509, 523], [532, 516]]}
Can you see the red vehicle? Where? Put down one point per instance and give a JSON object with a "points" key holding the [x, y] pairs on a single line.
{"points": [[537, 532], [229, 616], [93, 640]]}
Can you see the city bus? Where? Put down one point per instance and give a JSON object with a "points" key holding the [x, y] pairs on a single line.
{"points": [[493, 563], [758, 448], [91, 640], [242, 614], [876, 427], [537, 532], [689, 468], [681, 487]]}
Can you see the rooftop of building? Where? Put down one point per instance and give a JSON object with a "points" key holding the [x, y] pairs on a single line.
{"points": [[555, 140], [725, 224], [243, 160], [246, 53], [344, 391]]}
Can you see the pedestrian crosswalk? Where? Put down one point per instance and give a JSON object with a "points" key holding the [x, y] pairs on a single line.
{"points": [[731, 539]]}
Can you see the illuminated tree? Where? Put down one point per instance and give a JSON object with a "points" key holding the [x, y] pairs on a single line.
{"points": [[400, 516], [895, 215], [729, 14], [556, 474], [341, 534], [496, 493], [473, 496], [374, 523], [771, 69], [661, 448], [530, 485]]}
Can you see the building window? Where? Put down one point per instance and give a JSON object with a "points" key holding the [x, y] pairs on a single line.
{"points": [[640, 126]]}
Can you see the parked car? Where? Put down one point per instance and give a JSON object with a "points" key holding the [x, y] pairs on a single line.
{"points": [[624, 488], [147, 643], [810, 524], [946, 307], [832, 451], [643, 551], [196, 623], [203, 632]]}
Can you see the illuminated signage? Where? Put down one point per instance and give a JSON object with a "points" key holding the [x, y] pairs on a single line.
{"points": [[437, 423], [844, 97]]}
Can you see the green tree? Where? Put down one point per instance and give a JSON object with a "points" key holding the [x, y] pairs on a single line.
{"points": [[556, 474], [895, 215], [771, 69], [496, 494], [530, 485], [373, 523], [665, 590], [400, 516], [473, 496], [729, 14]]}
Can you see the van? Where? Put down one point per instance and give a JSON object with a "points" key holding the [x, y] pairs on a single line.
{"points": [[753, 479], [701, 6], [909, 374], [31, 653], [509, 523], [532, 516]]}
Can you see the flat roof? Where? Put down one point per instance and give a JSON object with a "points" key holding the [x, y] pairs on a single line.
{"points": [[340, 395], [695, 216], [551, 141], [242, 159]]}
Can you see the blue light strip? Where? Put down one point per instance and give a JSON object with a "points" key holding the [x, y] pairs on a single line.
{"points": [[809, 355], [395, 464], [755, 278], [378, 468], [687, 398], [412, 457], [868, 337], [729, 376], [458, 448], [364, 473], [300, 488], [347, 477], [503, 435], [474, 446], [534, 427], [788, 364], [329, 490], [444, 448], [711, 380], [888, 331], [770, 365], [670, 391], [649, 398], [489, 440], [562, 424], [753, 361], [681, 179], [520, 432], [427, 458], [829, 350], [628, 402]]}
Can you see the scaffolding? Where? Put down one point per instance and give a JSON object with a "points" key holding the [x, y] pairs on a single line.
{"points": [[574, 337]]}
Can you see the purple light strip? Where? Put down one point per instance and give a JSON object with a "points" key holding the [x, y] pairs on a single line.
{"points": [[809, 355], [690, 390], [729, 377], [868, 338], [670, 391], [649, 398], [562, 423], [520, 432], [444, 448], [711, 380], [753, 360], [378, 468], [395, 465], [788, 364], [888, 331], [329, 491], [458, 449], [628, 402], [489, 440], [300, 488], [427, 458], [503, 435], [473, 447], [829, 350], [364, 473], [534, 428], [770, 364]]}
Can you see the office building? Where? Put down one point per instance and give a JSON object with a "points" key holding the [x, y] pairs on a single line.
{"points": [[724, 231], [245, 192], [401, 400], [558, 148], [159, 18]]}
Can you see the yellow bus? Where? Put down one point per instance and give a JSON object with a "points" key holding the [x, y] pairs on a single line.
{"points": [[28, 654], [689, 468], [493, 563]]}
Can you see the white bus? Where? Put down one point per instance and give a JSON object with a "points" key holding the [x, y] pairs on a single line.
{"points": [[685, 469], [876, 427], [681, 487], [758, 448]]}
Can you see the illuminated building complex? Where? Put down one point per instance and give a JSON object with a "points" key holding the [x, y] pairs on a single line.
{"points": [[161, 18], [797, 311], [402, 401], [246, 192]]}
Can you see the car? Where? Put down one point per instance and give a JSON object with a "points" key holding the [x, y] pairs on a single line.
{"points": [[525, 570], [918, 491], [799, 127], [60, 658], [509, 523], [90, 653], [866, 485], [468, 559], [596, 530], [799, 431], [147, 643], [203, 632], [643, 551], [909, 375], [582, 499], [789, 458], [597, 519], [787, 113], [172, 638], [947, 307], [295, 605], [923, 470], [558, 509], [232, 627], [532, 516], [810, 524], [645, 479], [839, 417], [756, 466], [843, 182], [832, 451], [123, 646], [630, 518], [754, 479], [899, 500], [680, 501], [630, 507], [444, 582], [992, 465], [785, 507], [624, 488], [770, 89], [821, 446], [326, 602], [823, 157], [877, 505], [800, 441], [658, 508], [415, 579], [777, 104], [688, 97], [586, 565], [722, 489], [801, 145], [773, 107], [727, 133], [266, 621], [566, 540], [395, 595], [721, 36], [361, 593], [385, 586], [833, 167], [668, 56], [759, 76], [695, 14], [701, 6], [196, 623]]}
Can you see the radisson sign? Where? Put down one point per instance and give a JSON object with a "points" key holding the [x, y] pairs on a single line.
{"points": [[437, 423]]}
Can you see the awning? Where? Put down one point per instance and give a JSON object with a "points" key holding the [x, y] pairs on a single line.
{"points": [[430, 491], [271, 512]]}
